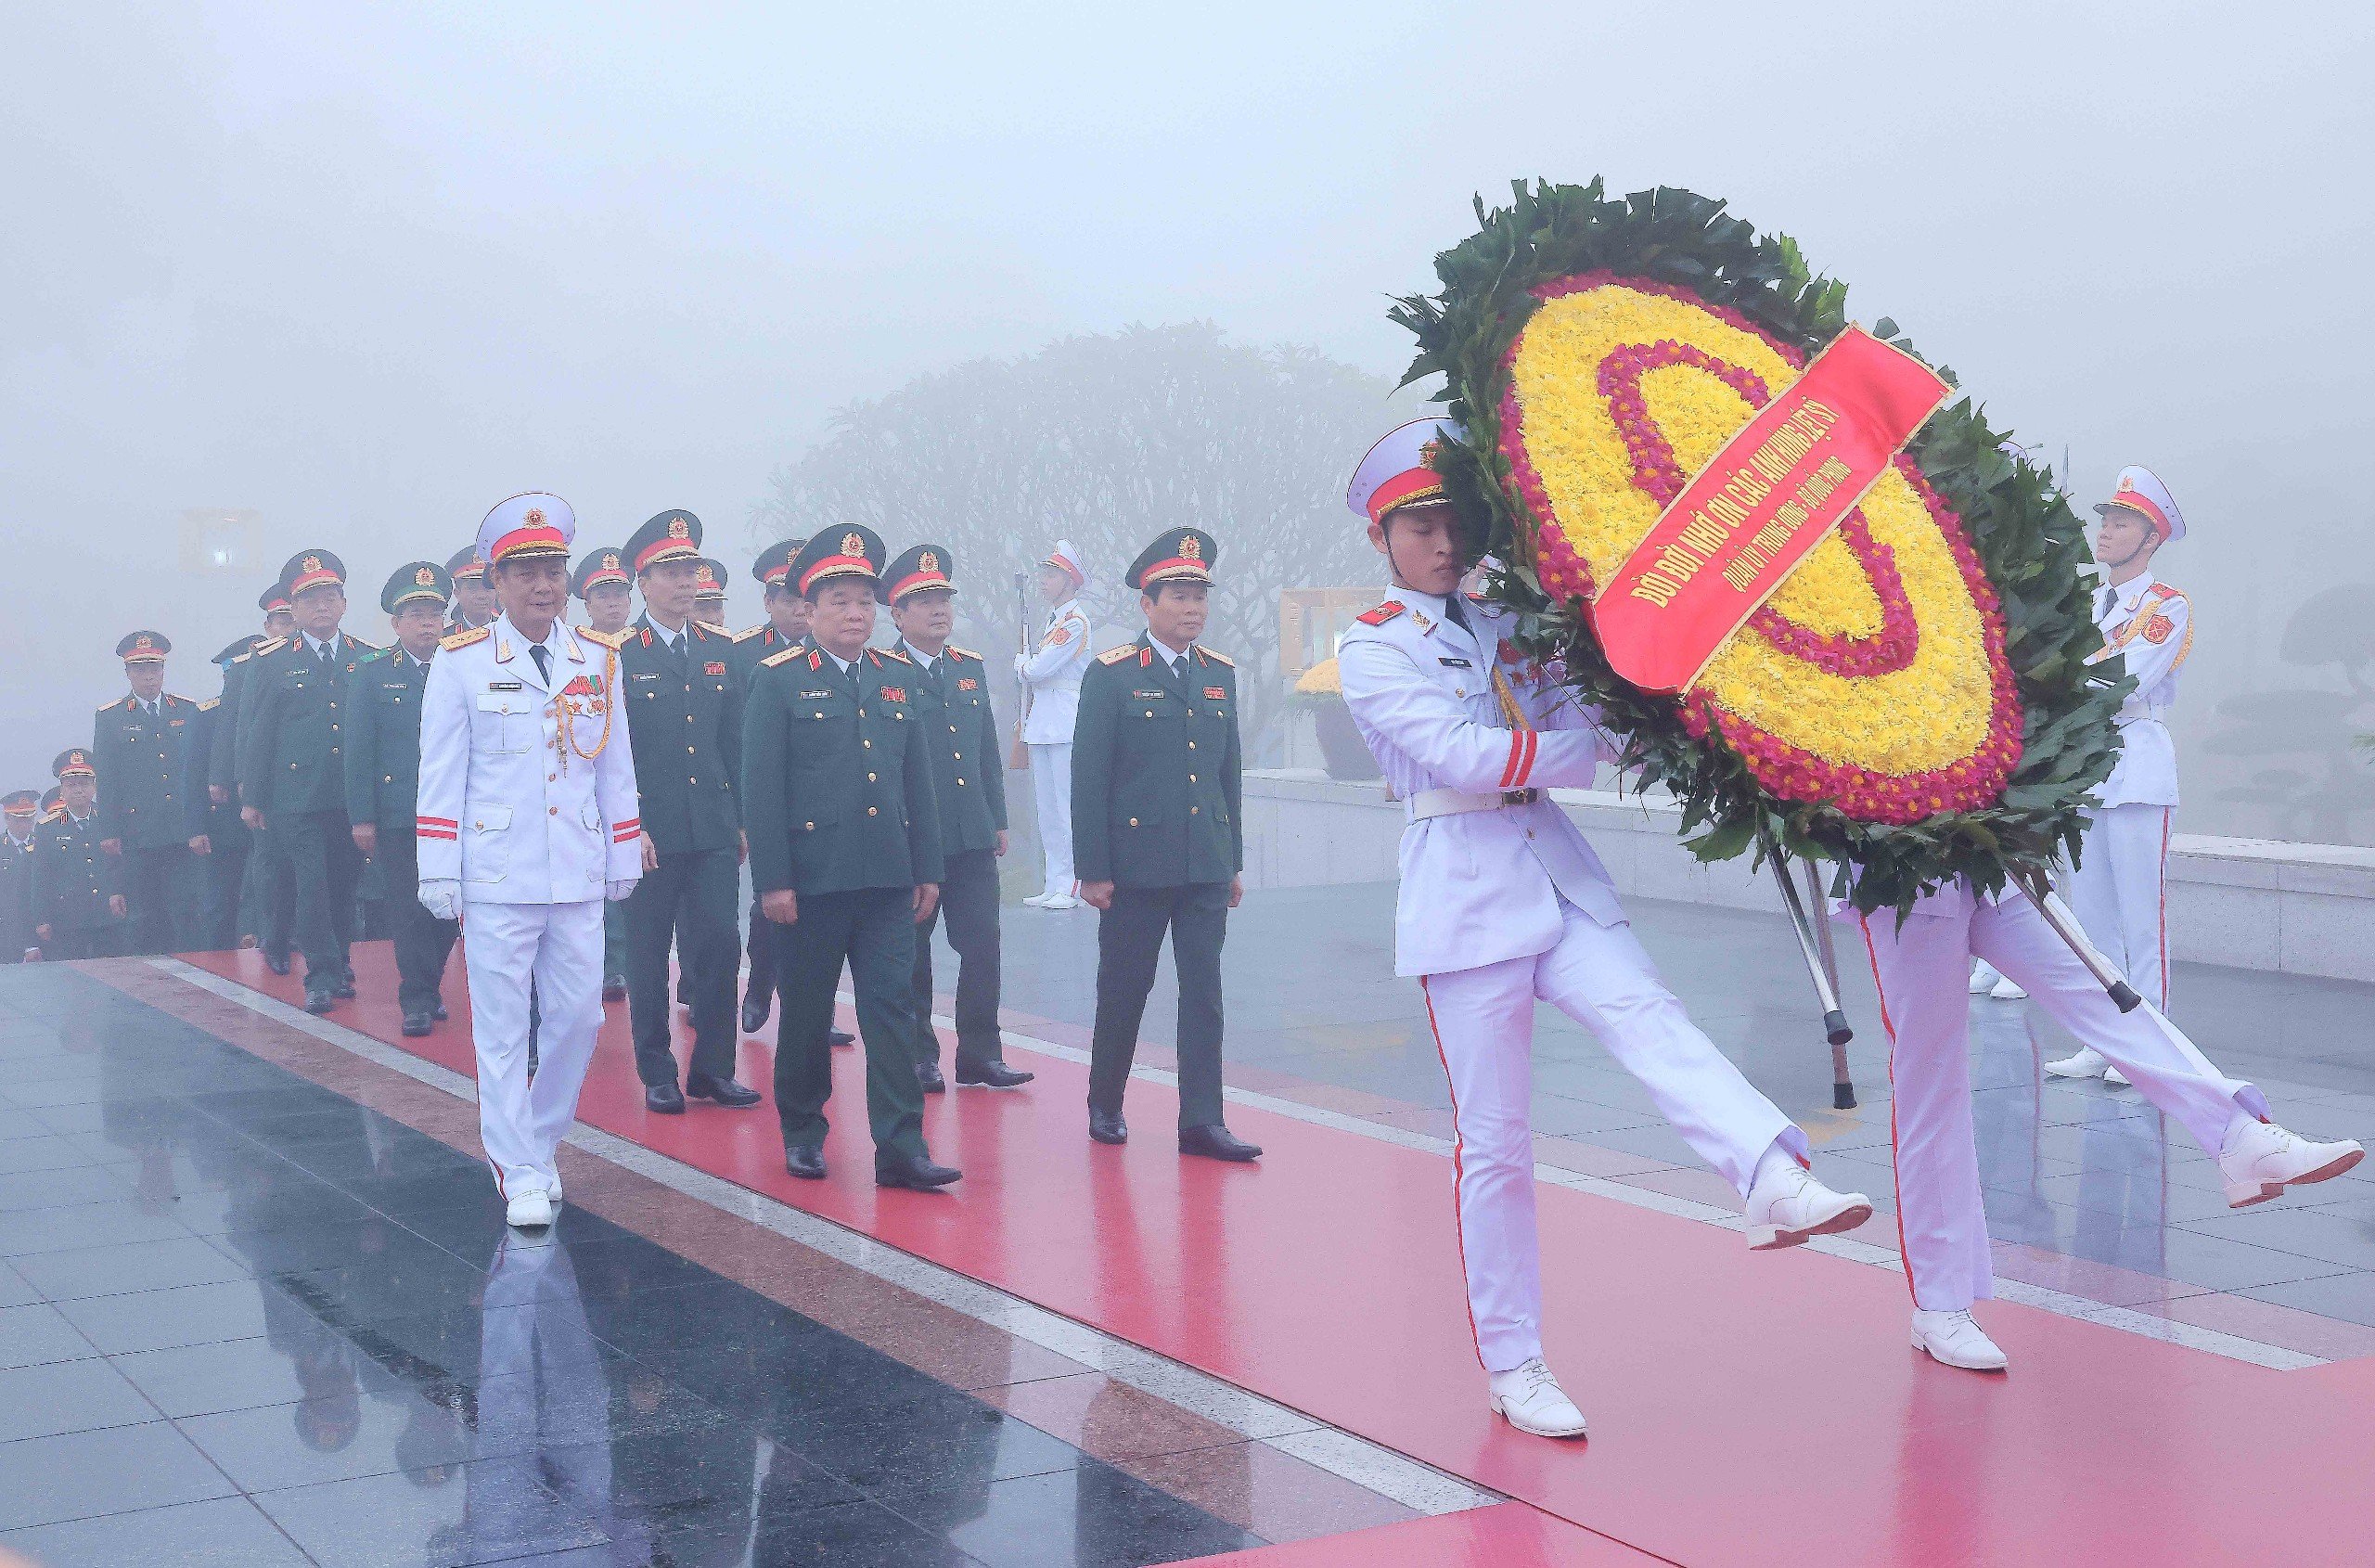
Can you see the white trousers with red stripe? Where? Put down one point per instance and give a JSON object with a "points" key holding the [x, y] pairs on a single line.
{"points": [[1923, 968], [2119, 892], [1483, 1023], [559, 948]]}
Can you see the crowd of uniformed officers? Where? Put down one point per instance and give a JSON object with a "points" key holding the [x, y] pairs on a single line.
{"points": [[863, 784]]}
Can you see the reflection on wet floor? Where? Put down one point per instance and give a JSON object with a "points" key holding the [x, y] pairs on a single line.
{"points": [[240, 1316]]}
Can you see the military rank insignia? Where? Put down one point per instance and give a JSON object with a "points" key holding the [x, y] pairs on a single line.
{"points": [[966, 683], [1215, 692]]}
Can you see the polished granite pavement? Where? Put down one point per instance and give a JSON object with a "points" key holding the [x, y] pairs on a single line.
{"points": [[245, 1320]]}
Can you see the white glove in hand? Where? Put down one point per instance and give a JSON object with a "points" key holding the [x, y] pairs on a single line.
{"points": [[442, 896], [618, 890]]}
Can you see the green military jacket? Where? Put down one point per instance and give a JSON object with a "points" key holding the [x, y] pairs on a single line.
{"points": [[73, 878], [754, 643], [17, 894], [683, 714], [1157, 776], [223, 734], [952, 702], [292, 725], [382, 739], [836, 788], [140, 762]]}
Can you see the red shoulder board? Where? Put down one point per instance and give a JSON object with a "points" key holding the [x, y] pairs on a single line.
{"points": [[2167, 592], [1382, 614]]}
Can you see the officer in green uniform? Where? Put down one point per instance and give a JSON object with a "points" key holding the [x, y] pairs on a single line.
{"points": [[474, 603], [845, 849], [709, 593], [950, 699], [268, 893], [603, 584], [213, 826], [1157, 836], [139, 743], [16, 813], [683, 704], [292, 767], [78, 893], [382, 754]]}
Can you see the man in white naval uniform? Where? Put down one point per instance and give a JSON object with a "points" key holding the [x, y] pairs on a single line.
{"points": [[2118, 887], [1925, 1004], [1051, 677], [1503, 904], [527, 822]]}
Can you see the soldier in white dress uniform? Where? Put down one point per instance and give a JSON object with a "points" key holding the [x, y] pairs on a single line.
{"points": [[1052, 676], [527, 822], [2118, 887], [1503, 904]]}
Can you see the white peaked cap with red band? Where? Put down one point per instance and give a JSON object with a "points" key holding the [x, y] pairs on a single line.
{"points": [[1067, 561], [534, 523], [1396, 472], [2140, 490]]}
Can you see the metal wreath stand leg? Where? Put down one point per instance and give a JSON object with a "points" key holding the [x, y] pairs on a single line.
{"points": [[1822, 965]]}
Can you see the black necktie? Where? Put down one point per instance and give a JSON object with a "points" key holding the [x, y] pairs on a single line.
{"points": [[543, 662], [322, 655], [1455, 611]]}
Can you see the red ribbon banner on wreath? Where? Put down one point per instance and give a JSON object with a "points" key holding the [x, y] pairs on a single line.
{"points": [[1770, 496]]}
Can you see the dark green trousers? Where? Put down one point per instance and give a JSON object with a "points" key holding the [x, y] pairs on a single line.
{"points": [[873, 931], [968, 900], [268, 908], [423, 942], [1129, 941], [325, 862], [161, 892], [690, 895], [228, 842], [614, 942]]}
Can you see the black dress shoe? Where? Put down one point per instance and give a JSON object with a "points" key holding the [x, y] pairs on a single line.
{"points": [[614, 990], [840, 1038], [665, 1098], [437, 1012], [804, 1161], [928, 1074], [1107, 1126], [279, 965], [754, 1014], [344, 988], [1216, 1142], [318, 1002], [417, 1024], [724, 1091], [991, 1074], [914, 1171]]}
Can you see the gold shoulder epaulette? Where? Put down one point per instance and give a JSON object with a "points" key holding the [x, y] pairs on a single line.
{"points": [[713, 626], [119, 702], [365, 646], [54, 813], [747, 633], [1115, 655], [611, 640], [464, 639], [772, 660], [1216, 658], [892, 653], [183, 701], [210, 704], [275, 646], [2167, 592], [956, 652]]}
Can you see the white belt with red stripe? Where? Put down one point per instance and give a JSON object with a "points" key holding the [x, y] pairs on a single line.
{"points": [[1453, 802]]}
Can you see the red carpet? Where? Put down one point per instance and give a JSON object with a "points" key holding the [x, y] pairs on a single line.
{"points": [[1745, 1409]]}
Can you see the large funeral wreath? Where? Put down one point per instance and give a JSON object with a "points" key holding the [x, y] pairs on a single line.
{"points": [[1915, 701]]}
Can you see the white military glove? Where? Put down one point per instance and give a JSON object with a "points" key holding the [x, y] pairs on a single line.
{"points": [[442, 896], [619, 888]]}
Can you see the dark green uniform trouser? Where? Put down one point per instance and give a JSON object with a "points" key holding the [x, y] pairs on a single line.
{"points": [[1129, 941], [268, 908], [614, 942], [872, 929], [225, 869], [160, 898], [95, 942], [692, 896], [322, 857], [423, 942], [968, 899]]}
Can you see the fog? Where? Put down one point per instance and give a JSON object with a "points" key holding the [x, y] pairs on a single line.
{"points": [[365, 271]]}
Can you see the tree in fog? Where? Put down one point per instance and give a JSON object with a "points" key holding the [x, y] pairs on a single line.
{"points": [[1107, 441]]}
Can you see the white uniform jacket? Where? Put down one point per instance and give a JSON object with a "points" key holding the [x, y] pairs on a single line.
{"points": [[511, 805], [2149, 625], [1053, 674], [1477, 887]]}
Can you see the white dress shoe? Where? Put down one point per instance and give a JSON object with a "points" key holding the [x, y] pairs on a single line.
{"points": [[552, 1193], [529, 1210], [2262, 1159], [2088, 1063], [1787, 1205], [2007, 989], [1984, 976], [1530, 1399], [1061, 901], [1953, 1339], [2113, 1078], [1036, 901]]}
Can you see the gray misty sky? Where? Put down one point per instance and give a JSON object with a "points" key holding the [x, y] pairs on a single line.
{"points": [[368, 270]]}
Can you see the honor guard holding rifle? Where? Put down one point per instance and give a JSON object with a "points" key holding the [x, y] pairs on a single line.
{"points": [[384, 698], [526, 821], [603, 584], [292, 769], [676, 681], [77, 886], [1503, 904], [140, 744], [845, 829], [1052, 678], [17, 810], [952, 702], [1157, 776], [267, 899]]}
